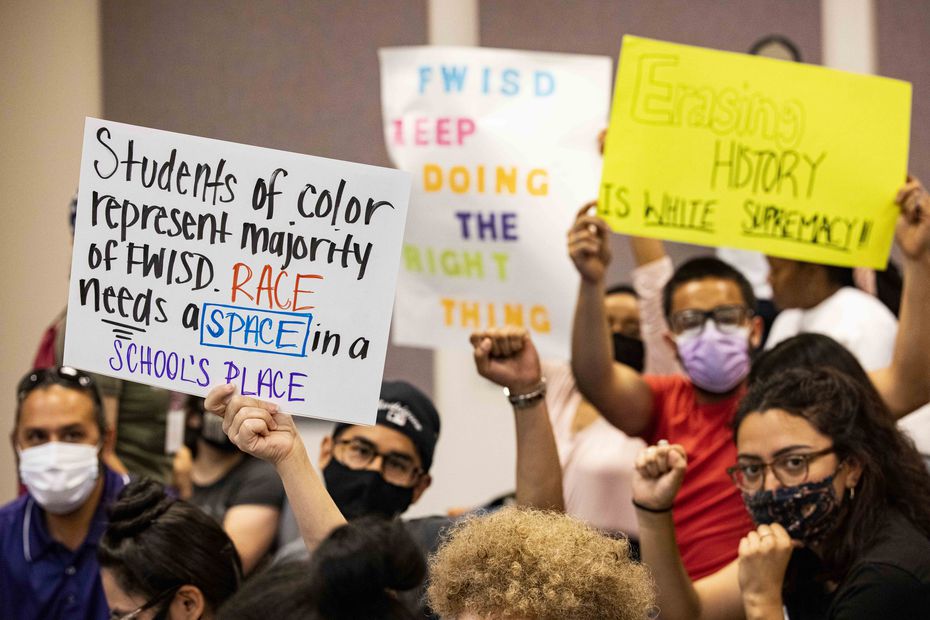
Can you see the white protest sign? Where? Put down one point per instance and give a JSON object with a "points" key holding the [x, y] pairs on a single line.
{"points": [[199, 262], [503, 148]]}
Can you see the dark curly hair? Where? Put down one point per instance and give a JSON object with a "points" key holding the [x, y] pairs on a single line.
{"points": [[862, 430]]}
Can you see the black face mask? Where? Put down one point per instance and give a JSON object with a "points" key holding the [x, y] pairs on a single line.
{"points": [[360, 492], [212, 432], [190, 439], [629, 351], [806, 511]]}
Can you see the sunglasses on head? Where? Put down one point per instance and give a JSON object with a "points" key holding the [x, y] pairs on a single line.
{"points": [[58, 375]]}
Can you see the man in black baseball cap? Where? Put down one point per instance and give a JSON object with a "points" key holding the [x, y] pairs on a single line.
{"points": [[382, 469]]}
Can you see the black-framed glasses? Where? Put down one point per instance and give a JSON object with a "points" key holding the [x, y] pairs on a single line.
{"points": [[357, 453], [59, 375], [727, 318], [789, 469], [157, 599]]}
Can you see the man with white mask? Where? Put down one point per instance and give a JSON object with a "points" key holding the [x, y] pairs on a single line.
{"points": [[48, 536]]}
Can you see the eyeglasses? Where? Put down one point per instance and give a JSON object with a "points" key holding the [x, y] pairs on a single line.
{"points": [[728, 319], [398, 469], [788, 469], [115, 615], [61, 375]]}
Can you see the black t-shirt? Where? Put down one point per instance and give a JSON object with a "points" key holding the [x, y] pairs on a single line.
{"points": [[251, 481], [890, 580]]}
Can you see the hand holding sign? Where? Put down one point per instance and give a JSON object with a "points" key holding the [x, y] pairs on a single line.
{"points": [[508, 358], [913, 230], [255, 426], [198, 262], [588, 244]]}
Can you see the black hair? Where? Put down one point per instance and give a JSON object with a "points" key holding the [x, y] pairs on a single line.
{"points": [[621, 289], [809, 350], [349, 576], [706, 267], [154, 543], [889, 285], [862, 431], [67, 377]]}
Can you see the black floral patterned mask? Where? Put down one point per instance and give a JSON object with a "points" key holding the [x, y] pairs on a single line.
{"points": [[806, 510]]}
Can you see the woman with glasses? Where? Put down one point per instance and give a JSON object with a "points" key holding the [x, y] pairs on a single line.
{"points": [[163, 558], [839, 496]]}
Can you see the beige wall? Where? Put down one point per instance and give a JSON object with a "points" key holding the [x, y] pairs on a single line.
{"points": [[49, 81]]}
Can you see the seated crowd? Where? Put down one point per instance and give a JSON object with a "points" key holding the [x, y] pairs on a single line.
{"points": [[681, 466]]}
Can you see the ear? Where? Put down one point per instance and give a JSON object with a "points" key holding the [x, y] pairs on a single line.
{"points": [[853, 473], [188, 603], [669, 339], [15, 455], [420, 488], [109, 441], [326, 452], [756, 329]]}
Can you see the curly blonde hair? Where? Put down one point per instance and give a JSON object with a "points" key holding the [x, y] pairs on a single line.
{"points": [[521, 563]]}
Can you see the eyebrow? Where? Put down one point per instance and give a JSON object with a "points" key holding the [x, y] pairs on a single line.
{"points": [[777, 454], [77, 426]]}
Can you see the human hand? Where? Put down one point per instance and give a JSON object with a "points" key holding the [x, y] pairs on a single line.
{"points": [[763, 559], [256, 427], [507, 357], [660, 471], [588, 244], [913, 229]]}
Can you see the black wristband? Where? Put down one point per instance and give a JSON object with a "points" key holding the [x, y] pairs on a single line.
{"points": [[653, 510]]}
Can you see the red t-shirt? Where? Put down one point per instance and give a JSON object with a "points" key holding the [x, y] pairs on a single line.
{"points": [[708, 512]]}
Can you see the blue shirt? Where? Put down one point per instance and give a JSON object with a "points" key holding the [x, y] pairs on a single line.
{"points": [[40, 577]]}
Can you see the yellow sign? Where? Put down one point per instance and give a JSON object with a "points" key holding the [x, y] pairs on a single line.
{"points": [[726, 149]]}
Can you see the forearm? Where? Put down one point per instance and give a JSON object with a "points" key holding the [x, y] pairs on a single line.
{"points": [[592, 346], [649, 281], [314, 510], [539, 472], [252, 529], [677, 597], [646, 250], [907, 382]]}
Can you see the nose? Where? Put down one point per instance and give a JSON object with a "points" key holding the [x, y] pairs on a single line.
{"points": [[771, 482], [376, 463]]}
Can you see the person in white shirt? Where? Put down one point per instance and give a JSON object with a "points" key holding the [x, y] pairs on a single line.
{"points": [[822, 299]]}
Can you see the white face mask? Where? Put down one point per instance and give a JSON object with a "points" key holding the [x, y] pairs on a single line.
{"points": [[60, 476]]}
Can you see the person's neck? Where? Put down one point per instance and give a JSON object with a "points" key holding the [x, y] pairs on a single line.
{"points": [[212, 464], [818, 292], [71, 529], [704, 397]]}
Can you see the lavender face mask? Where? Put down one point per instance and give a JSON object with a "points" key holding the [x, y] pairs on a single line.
{"points": [[715, 361]]}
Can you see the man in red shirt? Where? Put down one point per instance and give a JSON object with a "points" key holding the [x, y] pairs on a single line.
{"points": [[709, 306]]}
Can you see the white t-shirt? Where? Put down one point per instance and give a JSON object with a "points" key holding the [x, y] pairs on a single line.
{"points": [[857, 320], [917, 425], [597, 462]]}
